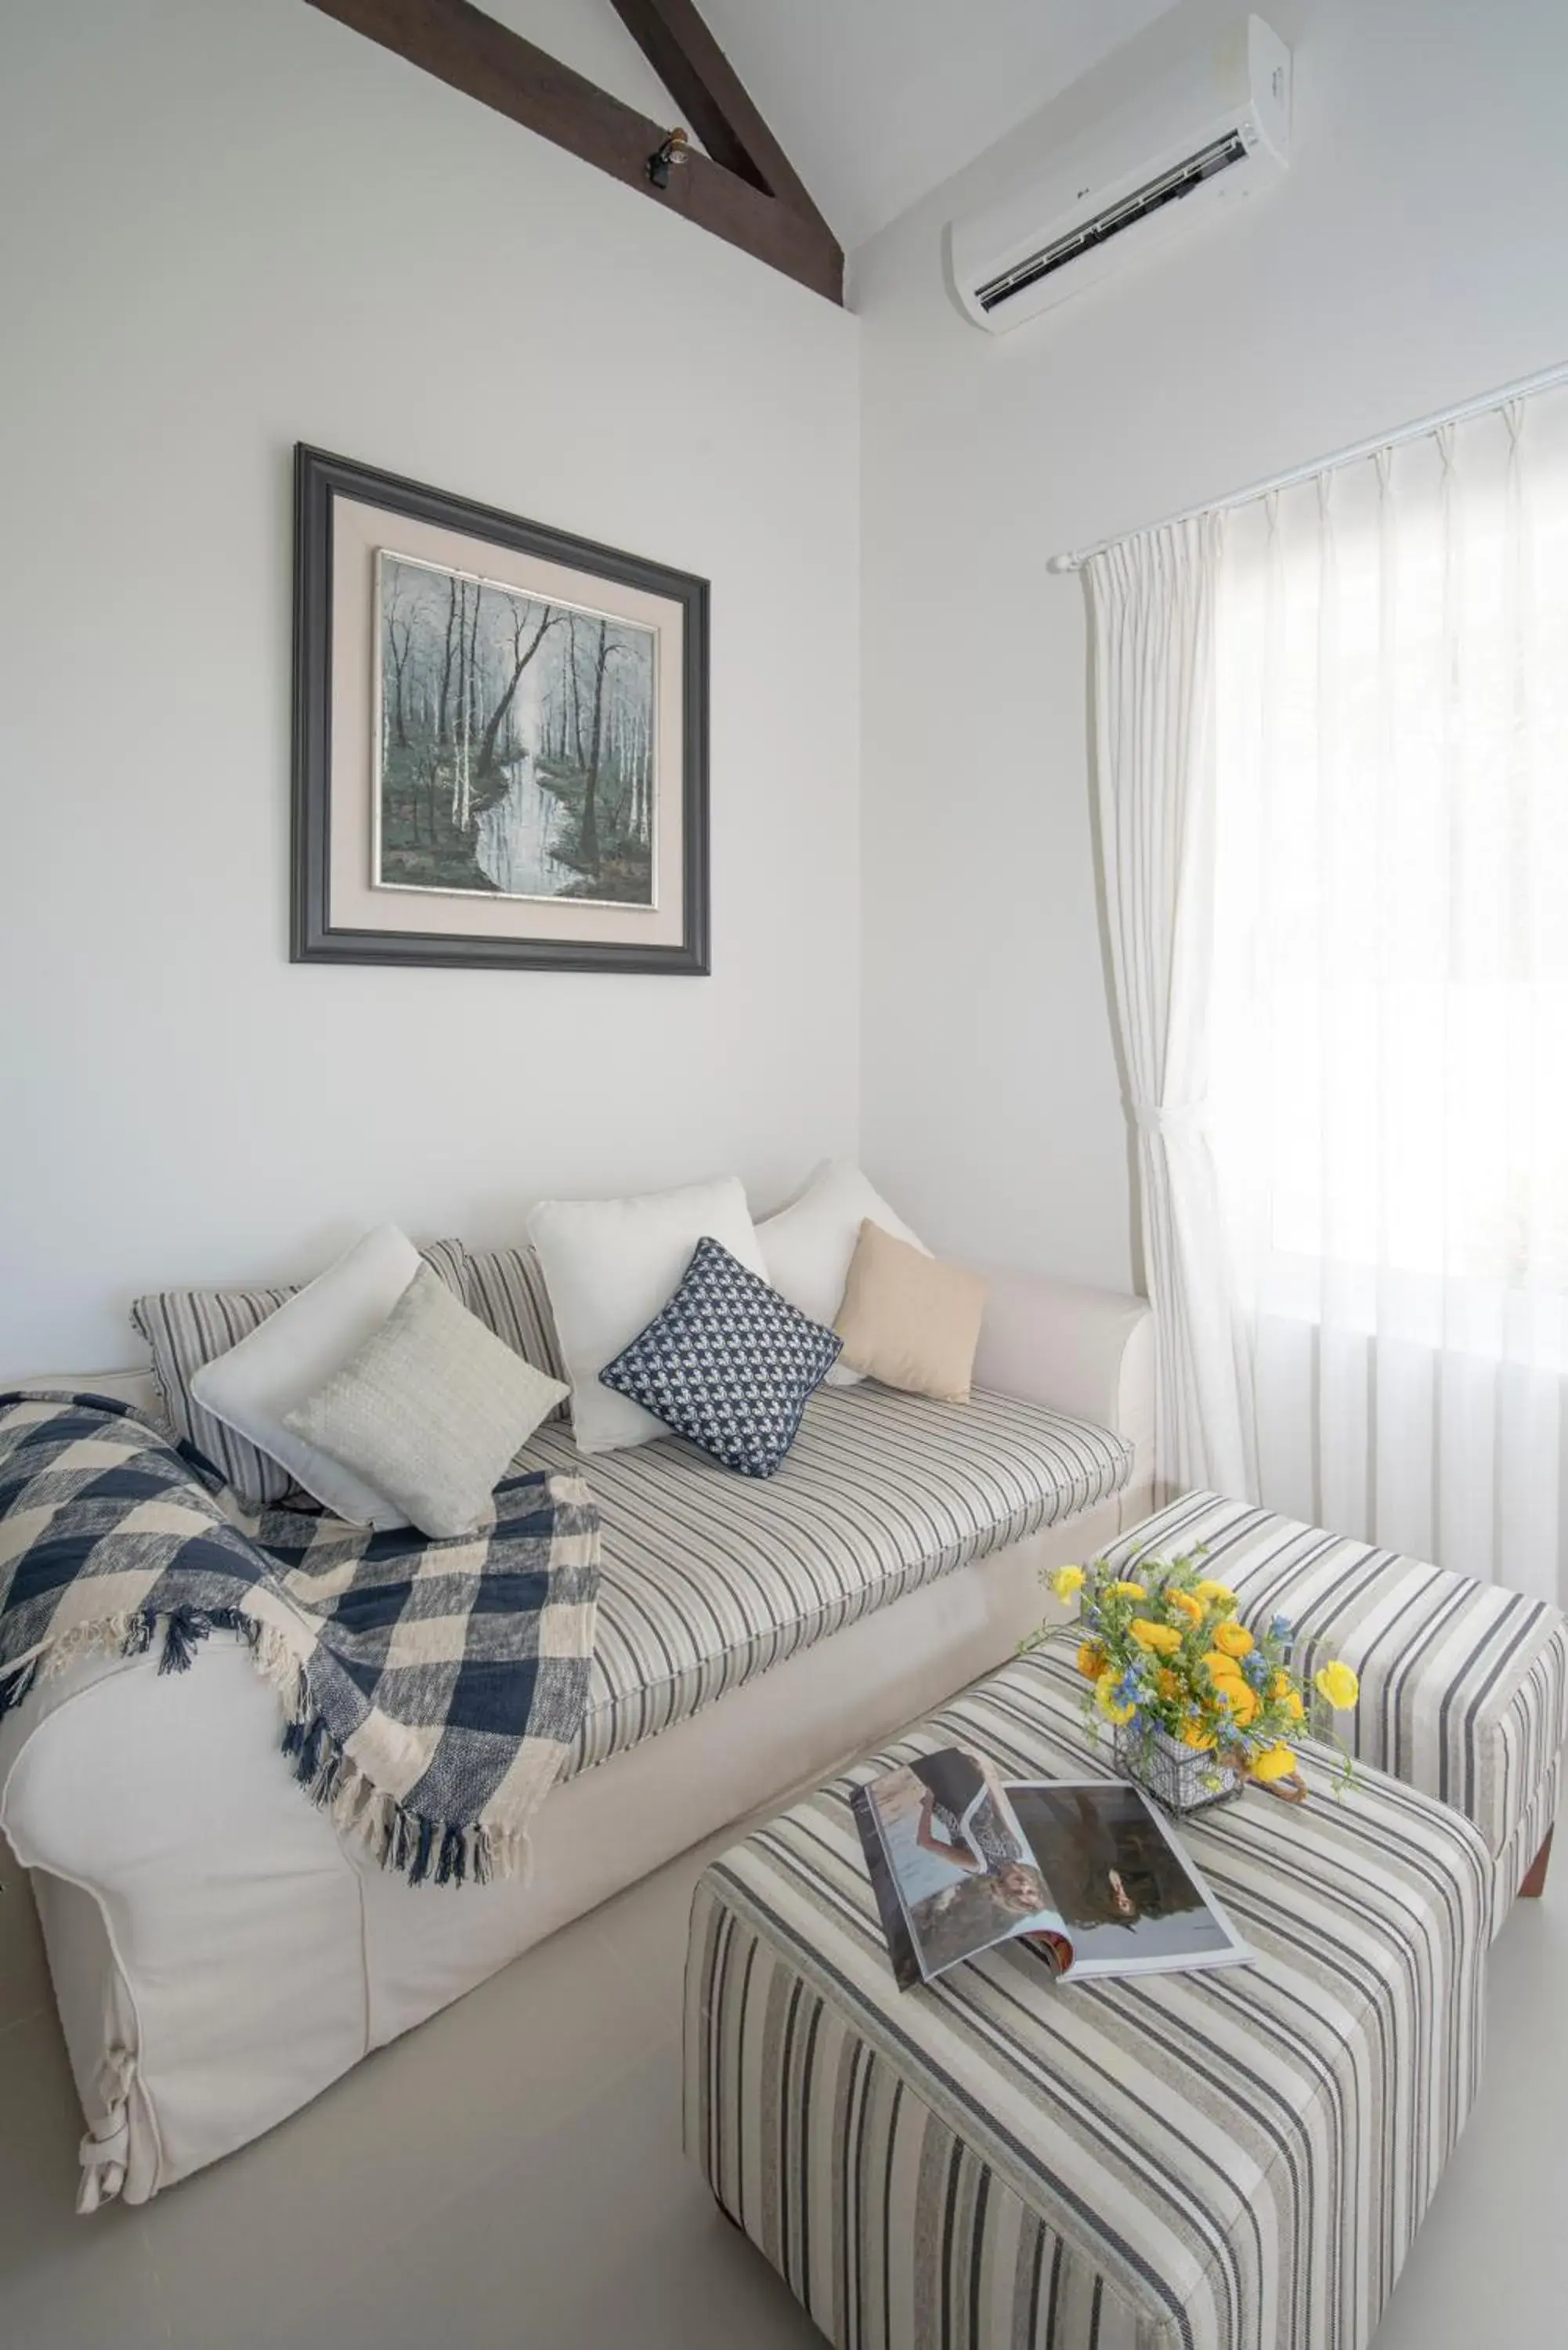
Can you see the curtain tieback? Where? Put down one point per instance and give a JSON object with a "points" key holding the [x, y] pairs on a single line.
{"points": [[1169, 1117], [106, 2149]]}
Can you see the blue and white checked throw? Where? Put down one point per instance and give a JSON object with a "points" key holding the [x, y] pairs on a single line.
{"points": [[429, 1689]]}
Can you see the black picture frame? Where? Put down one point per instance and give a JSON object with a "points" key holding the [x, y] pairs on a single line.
{"points": [[319, 479]]}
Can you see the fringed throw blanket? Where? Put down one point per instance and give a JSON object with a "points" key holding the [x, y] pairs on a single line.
{"points": [[429, 1689]]}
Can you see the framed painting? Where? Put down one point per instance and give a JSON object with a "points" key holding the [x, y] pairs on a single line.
{"points": [[500, 738]]}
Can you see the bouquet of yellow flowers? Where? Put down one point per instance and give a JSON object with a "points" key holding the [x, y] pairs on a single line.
{"points": [[1182, 1683]]}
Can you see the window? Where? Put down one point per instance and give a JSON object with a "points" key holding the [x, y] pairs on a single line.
{"points": [[1389, 1024]]}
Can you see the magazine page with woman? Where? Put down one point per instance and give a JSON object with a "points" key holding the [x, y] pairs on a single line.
{"points": [[1129, 1899], [1085, 1873], [952, 1869]]}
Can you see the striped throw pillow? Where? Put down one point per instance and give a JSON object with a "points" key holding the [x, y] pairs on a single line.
{"points": [[506, 1290], [186, 1328]]}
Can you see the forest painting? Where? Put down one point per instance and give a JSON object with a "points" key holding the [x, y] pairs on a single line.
{"points": [[517, 742], [500, 737]]}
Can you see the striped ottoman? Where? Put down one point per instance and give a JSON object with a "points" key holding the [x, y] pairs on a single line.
{"points": [[1464, 1686], [1233, 2160]]}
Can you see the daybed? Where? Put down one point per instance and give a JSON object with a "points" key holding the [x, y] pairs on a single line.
{"points": [[220, 1955]]}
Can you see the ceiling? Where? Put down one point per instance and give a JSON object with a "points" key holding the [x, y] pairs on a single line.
{"points": [[875, 102]]}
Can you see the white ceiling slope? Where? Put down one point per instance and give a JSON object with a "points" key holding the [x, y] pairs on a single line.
{"points": [[875, 102]]}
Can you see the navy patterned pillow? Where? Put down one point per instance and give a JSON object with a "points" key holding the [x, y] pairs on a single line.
{"points": [[728, 1363]]}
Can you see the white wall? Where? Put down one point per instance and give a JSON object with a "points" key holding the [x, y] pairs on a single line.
{"points": [[231, 225], [1413, 258]]}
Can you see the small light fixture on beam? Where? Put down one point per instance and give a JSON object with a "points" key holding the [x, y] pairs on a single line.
{"points": [[665, 159]]}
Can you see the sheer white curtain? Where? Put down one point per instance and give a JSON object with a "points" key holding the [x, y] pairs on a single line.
{"points": [[1390, 1033], [1152, 600]]}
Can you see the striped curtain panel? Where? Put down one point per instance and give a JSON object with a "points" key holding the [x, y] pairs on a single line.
{"points": [[1388, 1041]]}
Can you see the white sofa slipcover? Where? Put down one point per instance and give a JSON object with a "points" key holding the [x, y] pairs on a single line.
{"points": [[219, 1956]]}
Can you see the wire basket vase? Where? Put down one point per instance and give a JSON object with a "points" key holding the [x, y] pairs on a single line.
{"points": [[1179, 1778]]}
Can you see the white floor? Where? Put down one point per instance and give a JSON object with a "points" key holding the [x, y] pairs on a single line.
{"points": [[512, 2175]]}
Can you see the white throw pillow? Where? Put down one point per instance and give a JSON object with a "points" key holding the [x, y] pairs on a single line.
{"points": [[807, 1247], [296, 1350], [429, 1411], [609, 1265]]}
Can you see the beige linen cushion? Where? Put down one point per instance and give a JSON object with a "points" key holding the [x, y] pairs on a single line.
{"points": [[908, 1320], [429, 1410], [808, 1245]]}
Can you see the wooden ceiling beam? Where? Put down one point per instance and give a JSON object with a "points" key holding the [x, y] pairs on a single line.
{"points": [[673, 36], [468, 50]]}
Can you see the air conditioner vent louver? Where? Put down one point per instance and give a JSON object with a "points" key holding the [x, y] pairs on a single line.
{"points": [[1186, 149], [1168, 189]]}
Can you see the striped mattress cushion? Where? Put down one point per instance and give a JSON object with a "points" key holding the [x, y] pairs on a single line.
{"points": [[185, 1329], [1236, 2160], [1464, 1686], [709, 1578]]}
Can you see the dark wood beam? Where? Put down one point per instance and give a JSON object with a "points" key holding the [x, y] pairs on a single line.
{"points": [[470, 52], [673, 36]]}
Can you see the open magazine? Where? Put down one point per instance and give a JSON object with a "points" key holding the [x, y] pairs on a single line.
{"points": [[1084, 1873]]}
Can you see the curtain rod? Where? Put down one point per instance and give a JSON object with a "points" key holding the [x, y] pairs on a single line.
{"points": [[1542, 382]]}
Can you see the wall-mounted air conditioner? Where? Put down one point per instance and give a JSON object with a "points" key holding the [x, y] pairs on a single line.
{"points": [[1216, 130]]}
